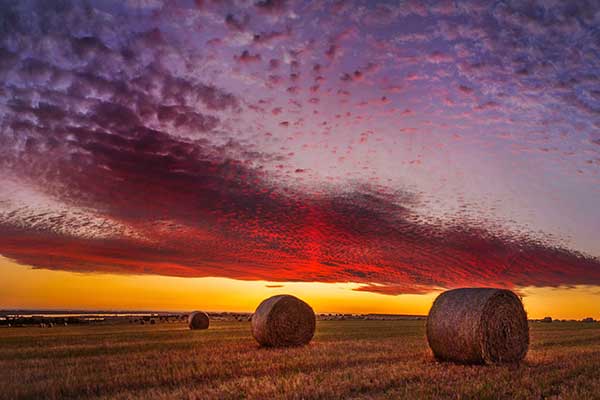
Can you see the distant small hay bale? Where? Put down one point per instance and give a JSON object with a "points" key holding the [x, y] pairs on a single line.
{"points": [[152, 322], [282, 321], [198, 320], [478, 326]]}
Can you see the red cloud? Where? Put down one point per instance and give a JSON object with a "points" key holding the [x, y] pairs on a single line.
{"points": [[219, 218]]}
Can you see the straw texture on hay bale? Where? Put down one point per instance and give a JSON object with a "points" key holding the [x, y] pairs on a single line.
{"points": [[198, 320], [282, 321], [478, 326]]}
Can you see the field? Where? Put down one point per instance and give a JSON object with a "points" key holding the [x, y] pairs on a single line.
{"points": [[347, 359]]}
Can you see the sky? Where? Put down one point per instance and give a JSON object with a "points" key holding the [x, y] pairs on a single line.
{"points": [[364, 155]]}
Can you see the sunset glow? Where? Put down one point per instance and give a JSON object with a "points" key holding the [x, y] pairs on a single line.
{"points": [[35, 289]]}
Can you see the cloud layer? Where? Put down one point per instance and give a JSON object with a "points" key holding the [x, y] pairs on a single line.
{"points": [[238, 143]]}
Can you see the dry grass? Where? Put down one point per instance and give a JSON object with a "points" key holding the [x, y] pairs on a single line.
{"points": [[347, 359]]}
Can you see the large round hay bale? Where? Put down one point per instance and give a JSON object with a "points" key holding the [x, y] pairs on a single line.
{"points": [[478, 326], [198, 320], [282, 321]]}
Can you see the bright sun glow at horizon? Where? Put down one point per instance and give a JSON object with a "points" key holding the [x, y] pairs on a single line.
{"points": [[28, 288]]}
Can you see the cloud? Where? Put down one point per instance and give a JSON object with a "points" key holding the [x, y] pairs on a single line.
{"points": [[216, 225], [136, 150], [270, 37], [234, 23], [246, 57], [271, 6]]}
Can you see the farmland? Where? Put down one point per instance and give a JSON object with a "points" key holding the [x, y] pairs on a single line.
{"points": [[347, 359]]}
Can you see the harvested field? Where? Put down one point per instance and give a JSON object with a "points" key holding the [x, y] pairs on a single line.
{"points": [[354, 359]]}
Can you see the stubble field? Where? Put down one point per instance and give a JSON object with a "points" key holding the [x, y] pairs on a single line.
{"points": [[347, 359]]}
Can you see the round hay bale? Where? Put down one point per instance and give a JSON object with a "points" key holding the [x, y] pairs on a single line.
{"points": [[198, 320], [478, 326], [282, 321]]}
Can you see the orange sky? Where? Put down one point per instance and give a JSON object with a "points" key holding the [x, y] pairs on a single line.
{"points": [[24, 287]]}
